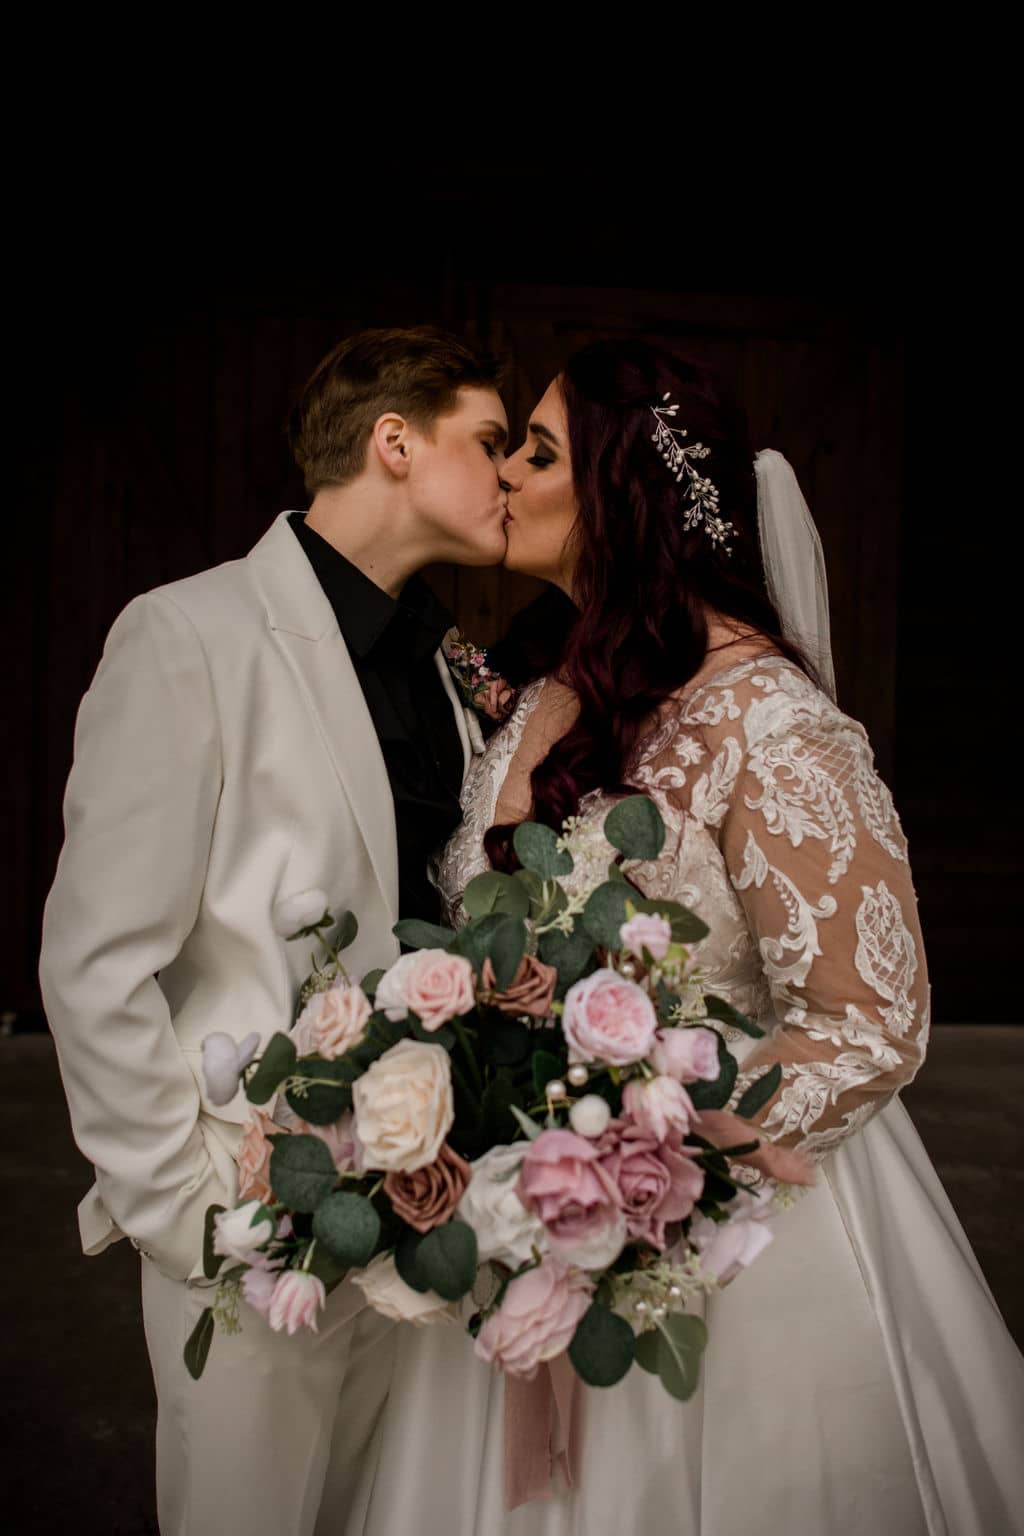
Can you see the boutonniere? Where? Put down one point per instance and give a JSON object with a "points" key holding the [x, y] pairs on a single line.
{"points": [[479, 685]]}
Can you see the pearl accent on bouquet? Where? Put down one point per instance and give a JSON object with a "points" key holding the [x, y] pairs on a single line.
{"points": [[555, 1089], [578, 1075]]}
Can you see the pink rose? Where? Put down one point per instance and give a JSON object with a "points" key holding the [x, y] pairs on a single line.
{"points": [[726, 1247], [297, 1298], [339, 1137], [607, 1018], [646, 931], [658, 1182], [258, 1286], [536, 1319], [658, 1106], [332, 1022], [432, 983], [686, 1054], [253, 1156], [562, 1181]]}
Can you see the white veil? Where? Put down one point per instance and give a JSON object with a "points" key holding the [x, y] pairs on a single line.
{"points": [[794, 562]]}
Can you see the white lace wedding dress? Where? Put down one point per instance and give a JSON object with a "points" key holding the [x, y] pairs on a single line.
{"points": [[859, 1380]]}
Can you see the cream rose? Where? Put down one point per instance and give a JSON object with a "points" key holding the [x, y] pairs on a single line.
{"points": [[433, 984], [404, 1107], [386, 1292]]}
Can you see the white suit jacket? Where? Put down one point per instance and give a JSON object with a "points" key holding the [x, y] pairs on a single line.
{"points": [[224, 758]]}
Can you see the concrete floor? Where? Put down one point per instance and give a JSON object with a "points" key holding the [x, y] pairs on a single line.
{"points": [[77, 1416]]}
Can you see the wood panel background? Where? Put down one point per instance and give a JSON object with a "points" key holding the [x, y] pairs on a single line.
{"points": [[151, 440]]}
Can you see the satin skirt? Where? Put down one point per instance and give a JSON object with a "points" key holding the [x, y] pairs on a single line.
{"points": [[859, 1380]]}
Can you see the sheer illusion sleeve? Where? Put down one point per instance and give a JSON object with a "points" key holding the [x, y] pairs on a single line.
{"points": [[813, 847]]}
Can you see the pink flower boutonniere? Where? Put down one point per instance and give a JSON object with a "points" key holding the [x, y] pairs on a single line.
{"points": [[479, 685]]}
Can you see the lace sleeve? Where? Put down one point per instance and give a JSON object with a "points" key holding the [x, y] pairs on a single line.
{"points": [[813, 847]]}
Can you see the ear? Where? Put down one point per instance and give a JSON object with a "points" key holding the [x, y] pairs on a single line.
{"points": [[390, 442]]}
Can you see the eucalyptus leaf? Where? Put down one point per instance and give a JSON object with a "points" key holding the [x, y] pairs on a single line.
{"points": [[447, 1259], [646, 1349], [495, 892], [760, 1092], [602, 1347], [682, 1342], [212, 1260], [407, 1251], [475, 939], [569, 953], [420, 935], [348, 1227], [197, 1346], [507, 1041], [302, 1171], [545, 1066], [505, 949], [348, 928], [635, 827], [716, 1094], [326, 1268], [325, 1100], [371, 981], [276, 1063], [496, 1106], [537, 849], [605, 913], [718, 1008]]}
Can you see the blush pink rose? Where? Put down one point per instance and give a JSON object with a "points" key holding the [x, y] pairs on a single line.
{"points": [[297, 1298], [647, 931], [658, 1106], [658, 1182], [433, 984], [253, 1156], [332, 1022], [562, 1181], [608, 1018], [537, 1318], [686, 1054]]}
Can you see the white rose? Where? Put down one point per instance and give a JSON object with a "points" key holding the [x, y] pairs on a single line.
{"points": [[387, 1293], [293, 913], [238, 1233], [589, 1115], [504, 1227], [392, 993], [596, 1251], [224, 1060], [404, 1107]]}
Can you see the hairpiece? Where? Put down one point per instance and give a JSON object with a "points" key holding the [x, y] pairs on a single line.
{"points": [[699, 492]]}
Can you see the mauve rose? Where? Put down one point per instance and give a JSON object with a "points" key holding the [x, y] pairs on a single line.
{"points": [[658, 1182], [646, 931], [258, 1289], [563, 1182], [608, 1018], [404, 1107], [686, 1054], [296, 1300], [537, 1318], [428, 1197], [726, 1247], [658, 1106], [332, 1022], [531, 991], [253, 1156]]}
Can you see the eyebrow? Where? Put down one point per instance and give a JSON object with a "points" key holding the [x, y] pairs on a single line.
{"points": [[496, 427], [543, 432]]}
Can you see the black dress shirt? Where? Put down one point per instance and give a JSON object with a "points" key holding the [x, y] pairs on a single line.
{"points": [[392, 642]]}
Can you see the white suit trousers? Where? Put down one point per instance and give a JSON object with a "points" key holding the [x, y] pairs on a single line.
{"points": [[280, 1436]]}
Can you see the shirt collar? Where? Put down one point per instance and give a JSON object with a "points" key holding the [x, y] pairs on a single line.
{"points": [[365, 612]]}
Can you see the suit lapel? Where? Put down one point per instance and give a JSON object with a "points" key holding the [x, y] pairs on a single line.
{"points": [[466, 723], [303, 626]]}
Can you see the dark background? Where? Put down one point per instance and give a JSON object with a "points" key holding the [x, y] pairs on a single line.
{"points": [[156, 371]]}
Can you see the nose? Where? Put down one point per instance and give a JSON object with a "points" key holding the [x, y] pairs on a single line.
{"points": [[508, 479]]}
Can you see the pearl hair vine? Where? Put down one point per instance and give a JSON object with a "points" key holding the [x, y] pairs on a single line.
{"points": [[699, 492]]}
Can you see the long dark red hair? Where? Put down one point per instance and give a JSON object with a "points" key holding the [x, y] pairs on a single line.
{"points": [[643, 583]]}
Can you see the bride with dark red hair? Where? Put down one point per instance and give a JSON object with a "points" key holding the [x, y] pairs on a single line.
{"points": [[859, 1378]]}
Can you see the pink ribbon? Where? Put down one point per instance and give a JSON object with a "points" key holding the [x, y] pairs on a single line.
{"points": [[542, 1431]]}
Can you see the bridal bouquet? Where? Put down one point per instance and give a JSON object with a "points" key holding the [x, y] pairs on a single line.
{"points": [[503, 1127]]}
